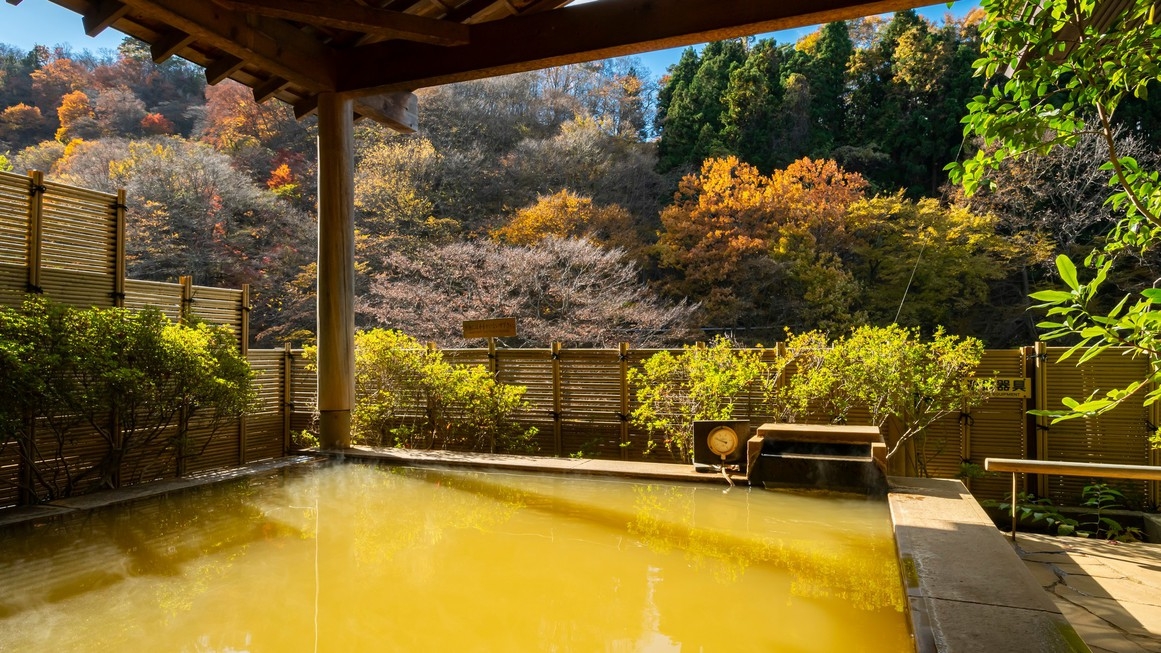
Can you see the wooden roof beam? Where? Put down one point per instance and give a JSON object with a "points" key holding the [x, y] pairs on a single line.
{"points": [[102, 15], [398, 111], [306, 107], [587, 32], [358, 18], [272, 45], [269, 88], [169, 44], [222, 68]]}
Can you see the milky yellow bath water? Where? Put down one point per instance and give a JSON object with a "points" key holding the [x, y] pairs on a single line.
{"points": [[355, 557]]}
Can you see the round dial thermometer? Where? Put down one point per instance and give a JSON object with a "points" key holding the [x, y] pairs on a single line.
{"points": [[722, 441]]}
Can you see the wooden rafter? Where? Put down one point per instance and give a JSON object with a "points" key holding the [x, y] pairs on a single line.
{"points": [[269, 88], [358, 18], [270, 44], [222, 68], [584, 33], [102, 15], [169, 44]]}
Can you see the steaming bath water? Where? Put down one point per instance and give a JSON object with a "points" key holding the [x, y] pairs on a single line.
{"points": [[353, 557]]}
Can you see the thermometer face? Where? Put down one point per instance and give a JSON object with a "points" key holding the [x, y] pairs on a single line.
{"points": [[722, 440]]}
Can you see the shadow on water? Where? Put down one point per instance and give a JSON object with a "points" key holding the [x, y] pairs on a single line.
{"points": [[862, 572], [86, 552]]}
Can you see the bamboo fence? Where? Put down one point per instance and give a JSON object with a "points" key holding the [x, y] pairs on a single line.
{"points": [[68, 244]]}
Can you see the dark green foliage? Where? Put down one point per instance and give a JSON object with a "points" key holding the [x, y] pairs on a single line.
{"points": [[132, 380], [1096, 500], [693, 124], [1031, 509], [888, 109]]}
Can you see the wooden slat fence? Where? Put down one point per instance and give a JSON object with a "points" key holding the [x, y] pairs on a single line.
{"points": [[67, 244], [576, 396]]}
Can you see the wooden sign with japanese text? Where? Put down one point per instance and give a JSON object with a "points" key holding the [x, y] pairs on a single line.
{"points": [[504, 327], [1010, 387]]}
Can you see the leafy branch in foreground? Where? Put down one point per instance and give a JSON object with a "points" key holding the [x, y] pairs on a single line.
{"points": [[1058, 71]]}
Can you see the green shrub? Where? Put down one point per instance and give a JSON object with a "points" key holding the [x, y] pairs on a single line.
{"points": [[408, 395], [895, 375], [70, 370], [700, 383]]}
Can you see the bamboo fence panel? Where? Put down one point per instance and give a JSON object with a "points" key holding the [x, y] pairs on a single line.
{"points": [[9, 474], [591, 402], [219, 306], [998, 427], [81, 289], [1120, 436], [303, 393], [264, 424], [531, 368], [150, 461], [74, 451], [14, 195], [165, 297], [79, 230], [213, 445], [13, 284]]}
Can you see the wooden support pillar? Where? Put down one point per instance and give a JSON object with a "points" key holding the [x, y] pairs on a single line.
{"points": [[35, 228], [119, 250], [287, 395], [187, 299], [336, 270], [557, 401], [623, 357]]}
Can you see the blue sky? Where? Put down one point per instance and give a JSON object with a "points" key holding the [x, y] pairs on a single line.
{"points": [[42, 22]]}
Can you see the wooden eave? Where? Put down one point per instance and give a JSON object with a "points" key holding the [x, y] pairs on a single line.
{"points": [[295, 49]]}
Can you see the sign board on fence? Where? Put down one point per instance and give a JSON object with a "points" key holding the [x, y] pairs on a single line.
{"points": [[1011, 387], [504, 327]]}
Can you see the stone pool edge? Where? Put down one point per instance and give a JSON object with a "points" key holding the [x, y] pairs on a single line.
{"points": [[967, 590]]}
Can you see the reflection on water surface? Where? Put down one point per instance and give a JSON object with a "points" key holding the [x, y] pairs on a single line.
{"points": [[362, 558]]}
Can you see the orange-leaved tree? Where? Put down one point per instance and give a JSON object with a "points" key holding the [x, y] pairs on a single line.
{"points": [[754, 247], [76, 117]]}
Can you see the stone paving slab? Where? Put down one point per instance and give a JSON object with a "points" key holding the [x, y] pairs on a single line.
{"points": [[1110, 591]]}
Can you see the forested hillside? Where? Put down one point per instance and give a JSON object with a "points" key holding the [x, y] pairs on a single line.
{"points": [[758, 186]]}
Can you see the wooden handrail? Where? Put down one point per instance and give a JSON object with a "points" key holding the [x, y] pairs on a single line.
{"points": [[1103, 470], [1100, 470]]}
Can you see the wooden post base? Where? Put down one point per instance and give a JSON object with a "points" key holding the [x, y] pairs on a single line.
{"points": [[334, 429]]}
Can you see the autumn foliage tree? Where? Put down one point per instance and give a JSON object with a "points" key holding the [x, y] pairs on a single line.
{"points": [[565, 215], [738, 239], [20, 121], [76, 116]]}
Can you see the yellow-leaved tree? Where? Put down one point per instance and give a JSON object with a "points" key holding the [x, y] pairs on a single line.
{"points": [[567, 215]]}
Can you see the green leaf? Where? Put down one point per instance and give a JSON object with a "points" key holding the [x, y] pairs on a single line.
{"points": [[1052, 296], [1067, 271]]}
